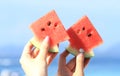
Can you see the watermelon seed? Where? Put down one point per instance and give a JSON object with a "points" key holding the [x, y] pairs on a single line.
{"points": [[83, 28], [49, 23], [42, 29], [89, 35], [55, 24]]}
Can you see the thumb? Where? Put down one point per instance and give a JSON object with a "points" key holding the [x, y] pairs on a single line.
{"points": [[79, 64], [44, 48]]}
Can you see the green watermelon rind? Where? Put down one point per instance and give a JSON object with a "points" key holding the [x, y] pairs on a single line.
{"points": [[37, 45], [75, 52]]}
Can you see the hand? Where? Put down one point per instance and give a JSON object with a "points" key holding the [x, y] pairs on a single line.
{"points": [[35, 62], [74, 67]]}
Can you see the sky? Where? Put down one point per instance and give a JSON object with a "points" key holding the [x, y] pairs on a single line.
{"points": [[17, 15]]}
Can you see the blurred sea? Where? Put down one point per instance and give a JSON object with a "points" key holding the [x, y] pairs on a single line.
{"points": [[10, 67], [98, 66]]}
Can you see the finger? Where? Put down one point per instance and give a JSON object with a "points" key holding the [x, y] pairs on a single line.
{"points": [[50, 57], [44, 49], [35, 52], [86, 61], [73, 70], [27, 49], [79, 64], [62, 60], [71, 63], [64, 54]]}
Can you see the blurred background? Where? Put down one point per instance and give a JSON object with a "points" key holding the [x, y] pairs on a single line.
{"points": [[17, 15]]}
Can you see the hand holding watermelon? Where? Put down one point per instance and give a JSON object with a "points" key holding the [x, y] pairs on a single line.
{"points": [[41, 50], [75, 67], [34, 62]]}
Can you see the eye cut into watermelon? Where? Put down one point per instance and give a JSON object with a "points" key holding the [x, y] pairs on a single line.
{"points": [[49, 25], [83, 35]]}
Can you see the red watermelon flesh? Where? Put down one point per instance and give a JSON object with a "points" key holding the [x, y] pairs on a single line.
{"points": [[49, 25], [84, 35]]}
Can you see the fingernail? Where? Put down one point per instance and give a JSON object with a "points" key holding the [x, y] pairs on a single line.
{"points": [[81, 55], [46, 38], [81, 51]]}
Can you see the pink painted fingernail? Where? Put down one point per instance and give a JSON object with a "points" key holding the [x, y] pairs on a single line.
{"points": [[81, 51]]}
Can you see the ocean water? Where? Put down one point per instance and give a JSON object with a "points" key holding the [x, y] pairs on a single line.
{"points": [[96, 67], [106, 64], [103, 67], [10, 67]]}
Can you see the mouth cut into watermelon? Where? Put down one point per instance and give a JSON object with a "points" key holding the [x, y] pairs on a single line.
{"points": [[83, 35], [49, 25]]}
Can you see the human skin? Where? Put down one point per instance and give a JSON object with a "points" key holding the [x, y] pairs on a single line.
{"points": [[35, 62], [75, 67]]}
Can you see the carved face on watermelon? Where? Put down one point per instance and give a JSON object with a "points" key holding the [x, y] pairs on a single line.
{"points": [[49, 25], [84, 35]]}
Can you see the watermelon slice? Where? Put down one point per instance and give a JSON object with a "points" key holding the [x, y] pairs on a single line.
{"points": [[49, 25], [83, 35]]}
